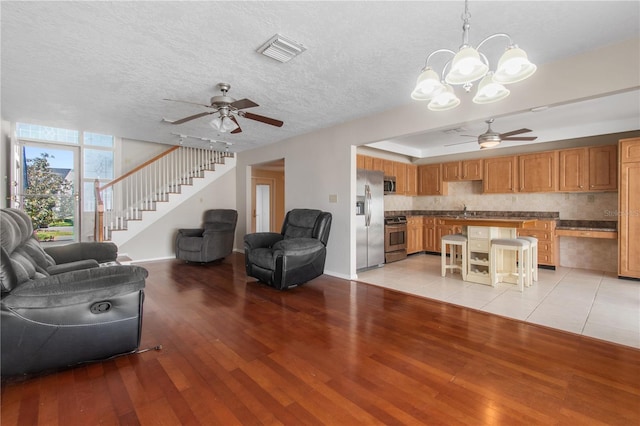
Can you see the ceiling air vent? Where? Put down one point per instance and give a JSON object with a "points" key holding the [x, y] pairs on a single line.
{"points": [[281, 48]]}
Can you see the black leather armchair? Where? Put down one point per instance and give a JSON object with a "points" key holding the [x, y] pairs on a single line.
{"points": [[211, 242], [58, 307], [295, 255]]}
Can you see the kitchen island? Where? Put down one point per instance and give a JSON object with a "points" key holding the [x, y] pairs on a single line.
{"points": [[480, 232]]}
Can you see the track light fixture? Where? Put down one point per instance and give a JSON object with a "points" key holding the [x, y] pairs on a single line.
{"points": [[469, 65]]}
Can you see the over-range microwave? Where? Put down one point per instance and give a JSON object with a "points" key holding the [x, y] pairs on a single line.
{"points": [[389, 184]]}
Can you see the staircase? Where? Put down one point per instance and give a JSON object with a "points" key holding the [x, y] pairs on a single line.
{"points": [[130, 203]]}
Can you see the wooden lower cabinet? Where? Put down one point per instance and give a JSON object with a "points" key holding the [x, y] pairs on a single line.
{"points": [[629, 209], [545, 232], [442, 230], [415, 234], [429, 233]]}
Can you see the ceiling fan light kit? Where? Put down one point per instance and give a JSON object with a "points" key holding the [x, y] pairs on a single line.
{"points": [[469, 65]]}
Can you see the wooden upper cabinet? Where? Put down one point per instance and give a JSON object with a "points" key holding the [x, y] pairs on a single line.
{"points": [[538, 172], [452, 171], [387, 168], [430, 180], [462, 170], [472, 169], [360, 160], [378, 164], [500, 175], [400, 172], [573, 167], [603, 168], [412, 180]]}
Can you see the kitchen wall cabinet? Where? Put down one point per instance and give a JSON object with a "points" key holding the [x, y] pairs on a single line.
{"points": [[412, 180], [415, 234], [573, 167], [400, 172], [500, 175], [538, 172], [603, 168], [387, 168], [588, 169], [462, 170], [545, 232], [430, 180], [629, 209]]}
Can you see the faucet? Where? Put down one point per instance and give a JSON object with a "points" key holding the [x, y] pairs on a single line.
{"points": [[464, 210]]}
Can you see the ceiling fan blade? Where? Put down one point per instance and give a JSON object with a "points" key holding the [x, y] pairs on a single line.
{"points": [[191, 117], [188, 102], [244, 103], [238, 130], [514, 132], [261, 118], [521, 138], [469, 136]]}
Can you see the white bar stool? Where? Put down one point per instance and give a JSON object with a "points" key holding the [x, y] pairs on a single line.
{"points": [[457, 261], [515, 245], [533, 255]]}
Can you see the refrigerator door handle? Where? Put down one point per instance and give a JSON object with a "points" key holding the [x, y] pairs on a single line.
{"points": [[367, 205]]}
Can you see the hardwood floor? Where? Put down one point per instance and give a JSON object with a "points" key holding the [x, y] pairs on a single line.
{"points": [[330, 352]]}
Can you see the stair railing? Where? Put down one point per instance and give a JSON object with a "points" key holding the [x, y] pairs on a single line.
{"points": [[126, 197]]}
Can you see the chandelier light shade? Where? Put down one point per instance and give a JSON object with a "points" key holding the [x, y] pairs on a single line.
{"points": [[513, 66], [490, 91], [469, 65], [428, 86], [445, 100], [466, 67]]}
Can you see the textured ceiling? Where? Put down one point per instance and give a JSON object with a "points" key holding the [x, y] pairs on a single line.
{"points": [[106, 66]]}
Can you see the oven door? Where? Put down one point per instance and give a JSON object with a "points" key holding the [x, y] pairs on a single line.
{"points": [[395, 237]]}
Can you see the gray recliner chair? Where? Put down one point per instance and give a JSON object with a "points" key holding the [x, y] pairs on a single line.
{"points": [[295, 255], [58, 307], [211, 242]]}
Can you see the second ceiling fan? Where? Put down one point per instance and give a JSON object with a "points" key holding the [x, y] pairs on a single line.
{"points": [[226, 109], [490, 139]]}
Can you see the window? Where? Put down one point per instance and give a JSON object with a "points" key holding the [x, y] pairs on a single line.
{"points": [[44, 133]]}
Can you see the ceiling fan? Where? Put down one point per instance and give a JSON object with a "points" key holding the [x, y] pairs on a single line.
{"points": [[490, 139], [226, 109]]}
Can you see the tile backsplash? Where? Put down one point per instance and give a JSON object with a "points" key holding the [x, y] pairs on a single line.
{"points": [[586, 253], [571, 206]]}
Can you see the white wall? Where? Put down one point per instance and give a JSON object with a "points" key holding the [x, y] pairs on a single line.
{"points": [[323, 162]]}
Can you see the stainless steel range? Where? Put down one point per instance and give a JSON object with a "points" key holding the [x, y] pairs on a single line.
{"points": [[395, 238]]}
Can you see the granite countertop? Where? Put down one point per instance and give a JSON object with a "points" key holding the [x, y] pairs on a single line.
{"points": [[588, 225], [476, 214], [581, 225]]}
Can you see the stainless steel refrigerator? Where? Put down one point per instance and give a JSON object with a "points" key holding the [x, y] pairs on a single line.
{"points": [[369, 219]]}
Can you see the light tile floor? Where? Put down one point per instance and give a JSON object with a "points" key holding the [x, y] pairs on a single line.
{"points": [[591, 303]]}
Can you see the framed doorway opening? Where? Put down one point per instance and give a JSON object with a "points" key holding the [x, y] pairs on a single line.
{"points": [[267, 196]]}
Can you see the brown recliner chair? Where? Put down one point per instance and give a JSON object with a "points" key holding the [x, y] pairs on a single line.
{"points": [[211, 242], [295, 255]]}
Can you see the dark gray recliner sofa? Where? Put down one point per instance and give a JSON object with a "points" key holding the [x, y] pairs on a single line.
{"points": [[294, 256], [58, 307], [211, 242]]}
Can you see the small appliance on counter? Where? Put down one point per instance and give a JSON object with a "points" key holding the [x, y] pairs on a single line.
{"points": [[395, 238]]}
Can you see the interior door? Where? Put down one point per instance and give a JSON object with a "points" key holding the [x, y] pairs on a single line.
{"points": [[262, 202]]}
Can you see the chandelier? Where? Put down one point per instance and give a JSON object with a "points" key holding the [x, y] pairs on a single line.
{"points": [[469, 65]]}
